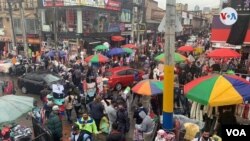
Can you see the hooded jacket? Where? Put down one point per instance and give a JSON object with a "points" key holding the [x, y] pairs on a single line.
{"points": [[147, 124]]}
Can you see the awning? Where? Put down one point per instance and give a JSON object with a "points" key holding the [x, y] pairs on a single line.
{"points": [[220, 32], [225, 45], [33, 41]]}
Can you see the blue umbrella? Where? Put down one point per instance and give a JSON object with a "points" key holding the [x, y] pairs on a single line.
{"points": [[115, 51], [51, 53], [62, 53]]}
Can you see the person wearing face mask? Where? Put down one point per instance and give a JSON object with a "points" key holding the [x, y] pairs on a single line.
{"points": [[205, 136]]}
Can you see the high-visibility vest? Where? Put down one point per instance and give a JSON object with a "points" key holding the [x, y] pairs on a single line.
{"points": [[87, 125]]}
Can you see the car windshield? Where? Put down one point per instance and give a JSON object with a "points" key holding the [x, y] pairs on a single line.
{"points": [[49, 78]]}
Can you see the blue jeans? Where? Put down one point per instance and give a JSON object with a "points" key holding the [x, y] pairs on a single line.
{"points": [[68, 113]]}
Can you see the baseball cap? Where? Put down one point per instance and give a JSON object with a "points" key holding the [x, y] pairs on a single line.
{"points": [[55, 108]]}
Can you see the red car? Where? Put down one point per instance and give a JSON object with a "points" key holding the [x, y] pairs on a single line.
{"points": [[119, 77]]}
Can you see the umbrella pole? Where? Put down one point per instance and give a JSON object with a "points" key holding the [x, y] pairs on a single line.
{"points": [[168, 88]]}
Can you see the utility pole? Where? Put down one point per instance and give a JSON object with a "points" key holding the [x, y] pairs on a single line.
{"points": [[55, 24], [23, 29], [12, 23], [133, 25], [168, 92]]}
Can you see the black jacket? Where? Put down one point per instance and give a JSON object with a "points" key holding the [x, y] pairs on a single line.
{"points": [[115, 136]]}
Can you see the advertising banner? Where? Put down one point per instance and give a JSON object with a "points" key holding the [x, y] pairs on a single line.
{"points": [[107, 4], [49, 3], [126, 15]]}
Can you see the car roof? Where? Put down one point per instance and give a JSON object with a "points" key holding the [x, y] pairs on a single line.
{"points": [[115, 69]]}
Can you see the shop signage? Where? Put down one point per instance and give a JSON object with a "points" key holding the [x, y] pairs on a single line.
{"points": [[225, 45], [114, 27], [108, 4], [241, 6], [50, 3], [113, 5]]}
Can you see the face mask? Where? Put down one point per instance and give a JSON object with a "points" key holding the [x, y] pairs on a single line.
{"points": [[206, 138]]}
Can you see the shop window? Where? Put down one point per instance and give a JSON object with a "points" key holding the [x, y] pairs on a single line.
{"points": [[67, 20], [29, 4], [32, 26], [1, 23], [17, 26], [99, 21]]}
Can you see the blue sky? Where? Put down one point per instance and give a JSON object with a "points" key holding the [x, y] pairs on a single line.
{"points": [[192, 3]]}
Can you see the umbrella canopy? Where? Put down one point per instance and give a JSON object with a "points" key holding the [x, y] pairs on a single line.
{"points": [[128, 50], [98, 58], [62, 53], [12, 107], [148, 87], [218, 90], [117, 38], [51, 53], [115, 51], [132, 46], [186, 49], [101, 48], [177, 57], [223, 53]]}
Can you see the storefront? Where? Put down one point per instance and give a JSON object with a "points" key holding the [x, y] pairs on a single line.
{"points": [[87, 21]]}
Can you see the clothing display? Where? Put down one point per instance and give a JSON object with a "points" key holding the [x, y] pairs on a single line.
{"points": [[243, 111], [191, 130]]}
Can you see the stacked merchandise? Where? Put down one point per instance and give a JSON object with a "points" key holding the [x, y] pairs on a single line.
{"points": [[20, 133], [242, 114]]}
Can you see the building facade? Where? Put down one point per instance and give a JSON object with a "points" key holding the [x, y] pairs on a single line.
{"points": [[80, 23], [31, 24]]}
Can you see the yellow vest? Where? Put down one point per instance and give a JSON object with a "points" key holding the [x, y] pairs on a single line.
{"points": [[87, 125]]}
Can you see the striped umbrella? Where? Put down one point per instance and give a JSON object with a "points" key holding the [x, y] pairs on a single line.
{"points": [[98, 58], [218, 90], [177, 58], [148, 87]]}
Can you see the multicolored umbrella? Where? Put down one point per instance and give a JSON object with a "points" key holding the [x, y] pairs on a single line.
{"points": [[148, 87], [117, 38], [223, 53], [128, 50], [218, 90], [186, 49], [101, 48], [98, 58], [132, 46], [177, 57]]}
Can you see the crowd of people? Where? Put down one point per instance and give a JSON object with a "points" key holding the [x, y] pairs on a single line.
{"points": [[108, 113]]}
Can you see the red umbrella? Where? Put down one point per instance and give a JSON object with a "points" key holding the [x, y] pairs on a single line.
{"points": [[117, 38], [132, 46], [186, 48], [223, 53]]}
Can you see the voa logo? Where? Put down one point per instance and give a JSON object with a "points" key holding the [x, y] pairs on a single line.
{"points": [[236, 132], [228, 16]]}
